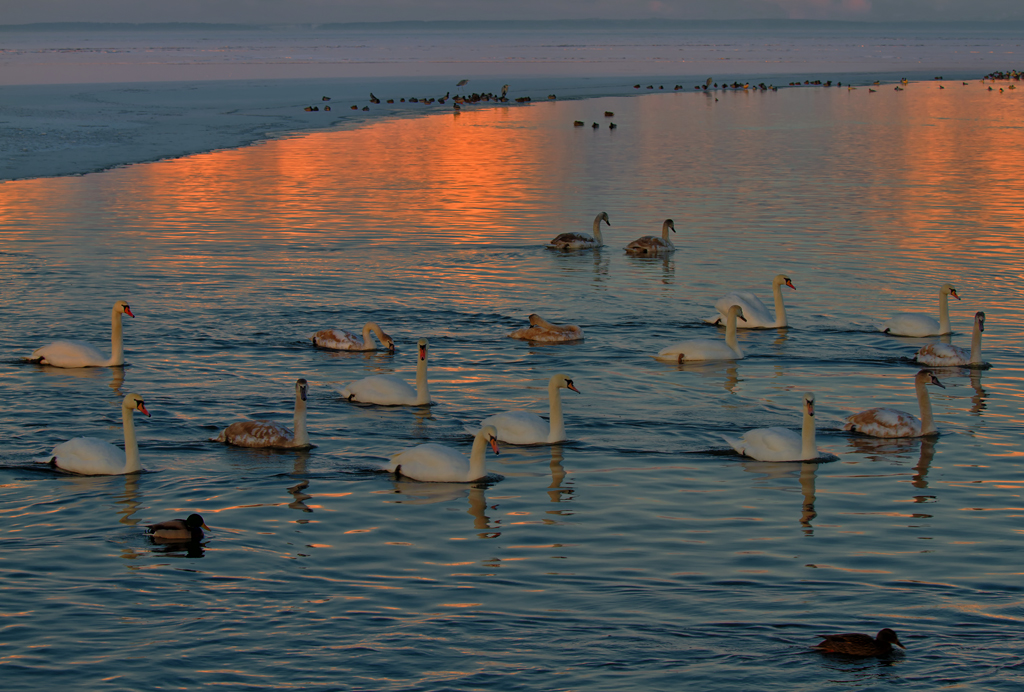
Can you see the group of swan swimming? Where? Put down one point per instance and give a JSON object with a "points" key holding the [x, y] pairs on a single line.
{"points": [[432, 462]]}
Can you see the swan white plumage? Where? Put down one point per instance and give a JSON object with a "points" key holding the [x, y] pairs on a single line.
{"points": [[780, 444], [89, 456], [388, 390], [78, 354], [344, 340], [707, 349], [946, 355], [525, 428], [542, 330], [581, 241], [652, 244], [436, 463], [756, 313], [889, 422], [920, 324], [268, 434]]}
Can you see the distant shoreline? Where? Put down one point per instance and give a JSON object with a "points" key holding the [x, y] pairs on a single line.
{"points": [[553, 24]]}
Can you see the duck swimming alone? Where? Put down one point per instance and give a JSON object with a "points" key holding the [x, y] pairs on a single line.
{"points": [[859, 644], [178, 530]]}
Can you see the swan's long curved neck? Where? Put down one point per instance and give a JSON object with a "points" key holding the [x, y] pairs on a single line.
{"points": [[664, 231], [809, 448], [780, 306], [597, 230], [730, 334], [925, 402], [557, 431], [477, 463], [422, 388], [372, 327], [131, 445], [944, 312], [299, 422], [976, 344], [116, 341]]}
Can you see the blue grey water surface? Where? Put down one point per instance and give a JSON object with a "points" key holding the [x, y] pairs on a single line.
{"points": [[640, 554]]}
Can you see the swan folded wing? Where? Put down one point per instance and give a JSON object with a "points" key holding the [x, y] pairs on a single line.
{"points": [[755, 312], [943, 355], [571, 240], [519, 427], [884, 422], [911, 324], [552, 334], [338, 340], [69, 354], [432, 463], [648, 244], [697, 349], [257, 433], [89, 456], [770, 444], [386, 390]]}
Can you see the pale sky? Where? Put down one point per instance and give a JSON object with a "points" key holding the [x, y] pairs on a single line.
{"points": [[318, 11]]}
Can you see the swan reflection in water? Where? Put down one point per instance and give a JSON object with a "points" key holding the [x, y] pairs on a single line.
{"points": [[806, 472], [713, 369], [417, 493], [881, 449], [114, 372], [129, 500]]}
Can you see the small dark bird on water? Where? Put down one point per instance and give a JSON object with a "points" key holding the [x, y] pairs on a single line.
{"points": [[374, 99], [325, 98], [578, 123], [612, 126], [859, 644], [178, 530], [595, 126]]}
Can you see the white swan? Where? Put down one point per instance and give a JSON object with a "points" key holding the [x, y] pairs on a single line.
{"points": [[889, 422], [581, 241], [389, 390], [525, 428], [652, 244], [755, 312], [78, 354], [343, 340], [707, 349], [780, 444], [542, 330], [920, 324], [265, 433], [436, 463], [90, 456], [944, 355]]}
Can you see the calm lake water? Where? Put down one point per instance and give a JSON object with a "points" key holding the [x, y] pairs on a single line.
{"points": [[638, 555]]}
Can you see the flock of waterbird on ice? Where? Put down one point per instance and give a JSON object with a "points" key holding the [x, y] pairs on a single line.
{"points": [[440, 463]]}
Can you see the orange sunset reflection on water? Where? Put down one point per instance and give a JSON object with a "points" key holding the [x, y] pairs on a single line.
{"points": [[924, 180]]}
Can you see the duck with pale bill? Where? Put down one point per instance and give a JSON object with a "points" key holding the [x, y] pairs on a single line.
{"points": [[860, 645]]}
